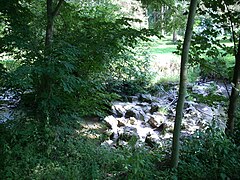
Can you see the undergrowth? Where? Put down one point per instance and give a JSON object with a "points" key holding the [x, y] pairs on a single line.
{"points": [[30, 150]]}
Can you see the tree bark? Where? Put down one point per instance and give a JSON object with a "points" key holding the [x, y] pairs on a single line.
{"points": [[49, 30], [232, 108], [51, 14], [174, 36], [183, 84]]}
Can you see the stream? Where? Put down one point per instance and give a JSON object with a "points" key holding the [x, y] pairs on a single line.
{"points": [[150, 119]]}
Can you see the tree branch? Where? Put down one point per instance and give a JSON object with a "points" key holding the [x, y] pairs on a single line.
{"points": [[56, 10]]}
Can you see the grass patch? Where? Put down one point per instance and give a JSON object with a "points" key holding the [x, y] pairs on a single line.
{"points": [[164, 63], [163, 49]]}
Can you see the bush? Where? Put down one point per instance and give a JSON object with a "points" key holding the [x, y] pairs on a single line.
{"points": [[130, 74], [209, 155], [30, 151]]}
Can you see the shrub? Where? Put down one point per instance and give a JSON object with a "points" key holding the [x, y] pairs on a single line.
{"points": [[130, 74], [209, 155], [30, 151]]}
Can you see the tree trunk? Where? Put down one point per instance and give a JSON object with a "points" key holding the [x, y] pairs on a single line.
{"points": [[49, 27], [51, 14], [174, 36], [235, 92], [44, 86], [162, 20], [183, 84]]}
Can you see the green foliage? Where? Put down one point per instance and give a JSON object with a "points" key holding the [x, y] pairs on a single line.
{"points": [[209, 155], [2, 73], [89, 39], [166, 16], [209, 50], [236, 133], [130, 74], [30, 150], [193, 73]]}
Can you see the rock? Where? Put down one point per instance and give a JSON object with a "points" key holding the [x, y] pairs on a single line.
{"points": [[107, 143], [224, 89], [118, 110], [205, 111], [121, 143], [161, 128], [154, 108], [132, 99], [143, 104], [149, 141], [144, 107], [121, 122], [131, 113], [128, 106], [146, 117], [132, 120], [128, 133], [111, 122], [143, 120], [190, 110], [156, 120], [135, 112], [152, 140], [145, 98], [200, 89], [170, 99]]}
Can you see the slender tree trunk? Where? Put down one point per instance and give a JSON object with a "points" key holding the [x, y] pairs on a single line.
{"points": [[51, 14], [235, 92], [174, 36], [183, 84], [49, 27], [162, 20]]}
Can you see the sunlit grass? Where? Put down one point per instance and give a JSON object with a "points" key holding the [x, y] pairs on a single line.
{"points": [[163, 49], [165, 64]]}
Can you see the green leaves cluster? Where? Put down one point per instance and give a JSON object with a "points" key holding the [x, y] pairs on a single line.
{"points": [[213, 46], [209, 154], [89, 38], [30, 150]]}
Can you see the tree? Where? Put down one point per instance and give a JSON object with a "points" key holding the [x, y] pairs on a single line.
{"points": [[183, 83], [44, 86], [64, 55], [167, 16], [219, 22], [236, 72]]}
